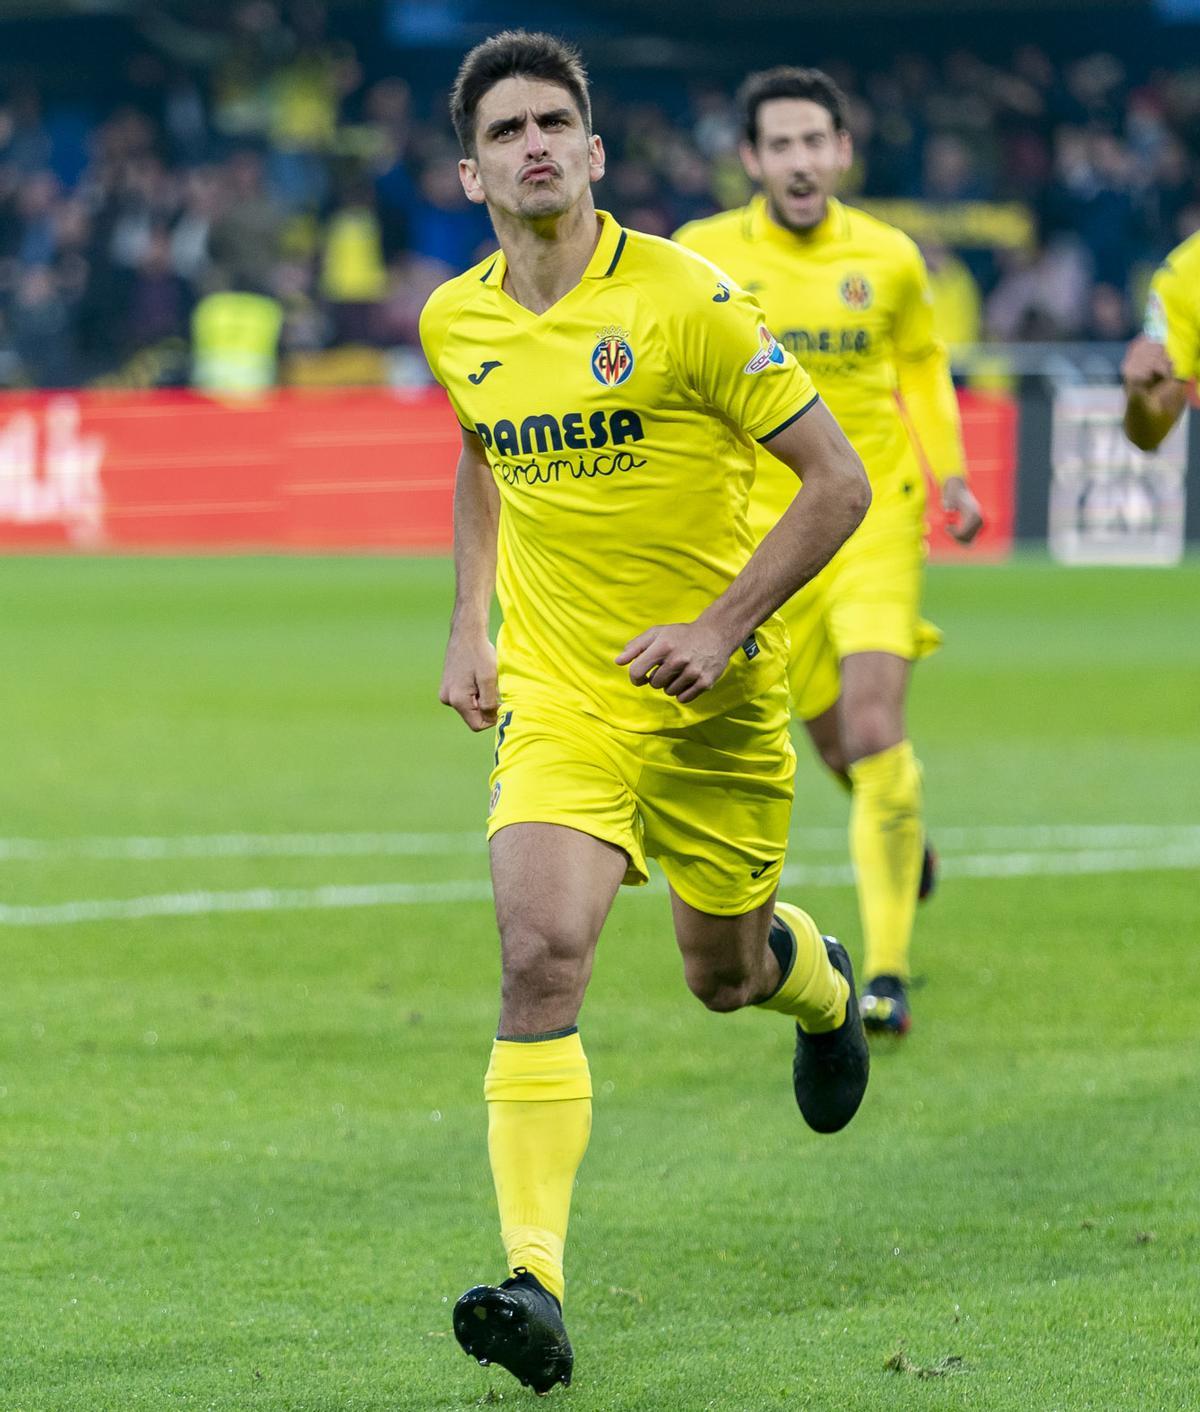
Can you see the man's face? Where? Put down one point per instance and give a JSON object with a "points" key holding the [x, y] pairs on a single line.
{"points": [[533, 157], [799, 159]]}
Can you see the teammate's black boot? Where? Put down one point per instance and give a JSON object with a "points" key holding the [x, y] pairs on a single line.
{"points": [[884, 1006], [517, 1324], [830, 1070]]}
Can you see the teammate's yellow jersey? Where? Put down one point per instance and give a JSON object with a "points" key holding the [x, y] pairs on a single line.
{"points": [[620, 427], [850, 298], [1173, 309]]}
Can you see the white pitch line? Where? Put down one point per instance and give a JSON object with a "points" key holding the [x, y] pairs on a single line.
{"points": [[367, 845], [1043, 836], [241, 845], [258, 899], [195, 904]]}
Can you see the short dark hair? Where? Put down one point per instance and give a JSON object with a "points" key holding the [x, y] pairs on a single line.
{"points": [[516, 53], [788, 82]]}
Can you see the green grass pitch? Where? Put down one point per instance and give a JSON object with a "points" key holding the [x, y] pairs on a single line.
{"points": [[249, 988]]}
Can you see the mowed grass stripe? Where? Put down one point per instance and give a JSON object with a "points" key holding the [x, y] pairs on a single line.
{"points": [[390, 894], [365, 845]]}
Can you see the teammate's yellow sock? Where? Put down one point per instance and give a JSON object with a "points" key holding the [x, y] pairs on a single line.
{"points": [[887, 844], [812, 991], [539, 1097]]}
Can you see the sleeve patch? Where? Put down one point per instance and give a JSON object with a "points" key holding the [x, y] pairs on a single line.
{"points": [[769, 352]]}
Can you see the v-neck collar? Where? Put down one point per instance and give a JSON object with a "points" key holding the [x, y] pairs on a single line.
{"points": [[603, 263]]}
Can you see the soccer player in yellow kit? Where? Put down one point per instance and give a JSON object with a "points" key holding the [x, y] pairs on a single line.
{"points": [[1162, 362], [850, 297], [611, 388]]}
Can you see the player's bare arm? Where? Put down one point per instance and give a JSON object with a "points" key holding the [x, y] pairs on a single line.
{"points": [[469, 671], [1154, 396], [685, 659]]}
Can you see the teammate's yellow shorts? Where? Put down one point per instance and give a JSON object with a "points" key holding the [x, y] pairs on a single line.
{"points": [[866, 599], [711, 802]]}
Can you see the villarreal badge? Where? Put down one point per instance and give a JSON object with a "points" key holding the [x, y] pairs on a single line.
{"points": [[495, 799], [612, 358], [856, 292]]}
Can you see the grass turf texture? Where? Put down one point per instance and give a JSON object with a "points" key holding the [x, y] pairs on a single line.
{"points": [[243, 1157]]}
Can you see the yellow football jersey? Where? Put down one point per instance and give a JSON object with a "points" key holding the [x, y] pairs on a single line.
{"points": [[851, 299], [1173, 309], [620, 427]]}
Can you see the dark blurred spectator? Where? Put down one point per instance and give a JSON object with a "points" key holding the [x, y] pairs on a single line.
{"points": [[951, 170], [190, 235], [246, 239], [388, 112], [1109, 317], [42, 332], [36, 208], [1042, 294], [24, 142], [157, 302]]}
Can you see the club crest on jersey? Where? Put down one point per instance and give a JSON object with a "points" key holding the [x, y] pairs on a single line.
{"points": [[769, 353], [612, 358], [856, 292]]}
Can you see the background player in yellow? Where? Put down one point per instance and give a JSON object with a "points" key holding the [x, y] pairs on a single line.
{"points": [[611, 388], [849, 296], [1162, 362]]}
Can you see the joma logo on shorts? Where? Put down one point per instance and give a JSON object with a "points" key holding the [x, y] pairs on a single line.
{"points": [[546, 433]]}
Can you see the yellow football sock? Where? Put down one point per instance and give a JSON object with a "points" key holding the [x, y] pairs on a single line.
{"points": [[539, 1097], [812, 991], [887, 844]]}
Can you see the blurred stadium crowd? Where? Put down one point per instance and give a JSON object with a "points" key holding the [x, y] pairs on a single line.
{"points": [[262, 203]]}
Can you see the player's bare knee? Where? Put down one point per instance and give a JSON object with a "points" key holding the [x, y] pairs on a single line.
{"points": [[541, 965], [872, 730], [722, 992]]}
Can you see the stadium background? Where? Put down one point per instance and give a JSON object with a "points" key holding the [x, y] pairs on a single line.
{"points": [[250, 955], [230, 197]]}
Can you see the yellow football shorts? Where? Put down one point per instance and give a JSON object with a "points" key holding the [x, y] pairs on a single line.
{"points": [[866, 599], [710, 802]]}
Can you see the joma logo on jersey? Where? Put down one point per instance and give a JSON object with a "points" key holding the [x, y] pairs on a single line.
{"points": [[547, 433], [612, 359], [856, 292]]}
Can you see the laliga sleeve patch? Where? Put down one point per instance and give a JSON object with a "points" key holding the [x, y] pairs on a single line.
{"points": [[1155, 327], [769, 352]]}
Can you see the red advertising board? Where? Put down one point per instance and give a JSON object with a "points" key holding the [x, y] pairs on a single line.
{"points": [[304, 471], [177, 471]]}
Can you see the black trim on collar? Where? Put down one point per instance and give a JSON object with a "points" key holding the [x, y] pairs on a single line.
{"points": [[616, 255], [487, 274]]}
